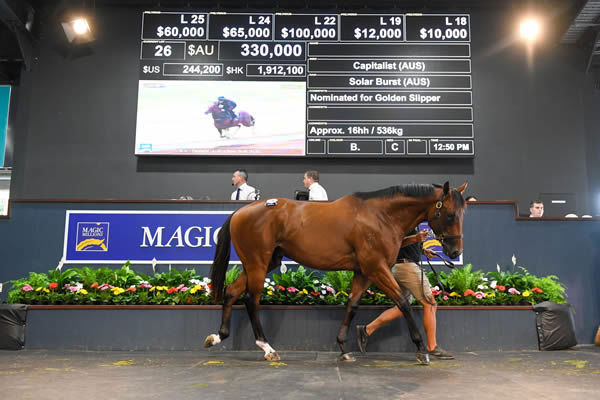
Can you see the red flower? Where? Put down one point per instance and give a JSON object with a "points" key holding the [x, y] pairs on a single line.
{"points": [[537, 290], [131, 289], [436, 292], [53, 285], [280, 287], [94, 285], [172, 290], [315, 293], [501, 288], [469, 292]]}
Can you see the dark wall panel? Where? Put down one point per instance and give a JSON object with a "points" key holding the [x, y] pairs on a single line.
{"points": [[33, 241], [76, 128]]}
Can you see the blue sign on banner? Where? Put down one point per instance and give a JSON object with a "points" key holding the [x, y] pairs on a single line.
{"points": [[176, 237], [173, 237]]}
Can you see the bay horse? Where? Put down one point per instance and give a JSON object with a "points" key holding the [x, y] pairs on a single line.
{"points": [[222, 122], [361, 232]]}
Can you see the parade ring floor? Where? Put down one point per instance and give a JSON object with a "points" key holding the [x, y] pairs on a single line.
{"points": [[38, 374]]}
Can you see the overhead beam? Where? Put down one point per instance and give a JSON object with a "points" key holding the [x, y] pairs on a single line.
{"points": [[12, 21]]}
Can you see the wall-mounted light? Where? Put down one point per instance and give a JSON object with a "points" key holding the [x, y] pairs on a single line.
{"points": [[78, 30], [529, 29]]}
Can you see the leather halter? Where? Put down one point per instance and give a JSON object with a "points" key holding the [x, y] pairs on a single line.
{"points": [[438, 212]]}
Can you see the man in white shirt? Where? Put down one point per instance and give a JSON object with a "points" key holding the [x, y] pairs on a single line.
{"points": [[315, 190], [243, 190]]}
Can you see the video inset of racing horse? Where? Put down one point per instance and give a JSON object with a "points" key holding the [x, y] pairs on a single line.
{"points": [[224, 116]]}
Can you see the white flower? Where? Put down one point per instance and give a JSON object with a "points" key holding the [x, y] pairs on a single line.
{"points": [[323, 286], [79, 286], [514, 260], [271, 288], [435, 288], [484, 279], [482, 287], [266, 284], [321, 296], [316, 282], [267, 280], [498, 267], [283, 268], [193, 281], [323, 291], [143, 282], [493, 284], [206, 280]]}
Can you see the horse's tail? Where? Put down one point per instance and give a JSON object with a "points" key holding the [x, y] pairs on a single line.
{"points": [[221, 261]]}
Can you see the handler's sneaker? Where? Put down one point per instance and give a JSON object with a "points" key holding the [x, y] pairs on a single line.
{"points": [[440, 353], [362, 337]]}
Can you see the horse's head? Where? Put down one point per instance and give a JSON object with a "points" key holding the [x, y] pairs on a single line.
{"points": [[445, 217], [214, 108]]}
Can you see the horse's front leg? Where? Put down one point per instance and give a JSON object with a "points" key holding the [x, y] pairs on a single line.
{"points": [[359, 284], [383, 278]]}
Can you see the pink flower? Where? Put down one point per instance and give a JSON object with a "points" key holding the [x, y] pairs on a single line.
{"points": [[370, 291], [330, 290], [27, 288], [445, 297], [184, 289], [146, 286], [73, 288], [292, 289], [180, 286], [512, 290], [479, 295]]}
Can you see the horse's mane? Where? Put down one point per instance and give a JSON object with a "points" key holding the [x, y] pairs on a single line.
{"points": [[409, 190]]}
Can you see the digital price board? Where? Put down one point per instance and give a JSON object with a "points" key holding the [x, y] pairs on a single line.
{"points": [[317, 85]]}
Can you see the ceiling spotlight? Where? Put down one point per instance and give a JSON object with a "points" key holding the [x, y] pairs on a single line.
{"points": [[80, 26], [529, 29], [78, 30]]}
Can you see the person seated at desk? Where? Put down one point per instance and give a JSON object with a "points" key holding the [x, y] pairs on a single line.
{"points": [[315, 190], [243, 191], [536, 209]]}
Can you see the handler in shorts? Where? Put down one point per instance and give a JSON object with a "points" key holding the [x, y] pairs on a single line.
{"points": [[408, 274]]}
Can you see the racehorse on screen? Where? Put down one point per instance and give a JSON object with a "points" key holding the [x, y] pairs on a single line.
{"points": [[361, 232], [223, 122]]}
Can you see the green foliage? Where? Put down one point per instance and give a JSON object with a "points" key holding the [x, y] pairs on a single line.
{"points": [[125, 286], [298, 279], [340, 281], [553, 289], [461, 279], [232, 274]]}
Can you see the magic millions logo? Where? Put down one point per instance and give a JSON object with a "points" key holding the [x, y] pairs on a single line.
{"points": [[92, 236]]}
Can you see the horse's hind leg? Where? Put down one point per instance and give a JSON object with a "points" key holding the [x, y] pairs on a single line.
{"points": [[232, 293], [385, 281], [359, 284], [256, 279], [252, 300]]}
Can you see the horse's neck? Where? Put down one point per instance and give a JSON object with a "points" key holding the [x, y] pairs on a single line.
{"points": [[405, 213]]}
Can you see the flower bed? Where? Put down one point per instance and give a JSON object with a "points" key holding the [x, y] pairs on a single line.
{"points": [[125, 286]]}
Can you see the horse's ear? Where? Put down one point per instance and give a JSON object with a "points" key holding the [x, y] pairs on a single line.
{"points": [[446, 187], [462, 188]]}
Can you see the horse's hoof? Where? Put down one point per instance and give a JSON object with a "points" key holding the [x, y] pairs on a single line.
{"points": [[422, 358], [347, 357], [272, 356], [211, 340]]}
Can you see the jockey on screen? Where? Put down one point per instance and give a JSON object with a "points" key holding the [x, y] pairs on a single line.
{"points": [[227, 106]]}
